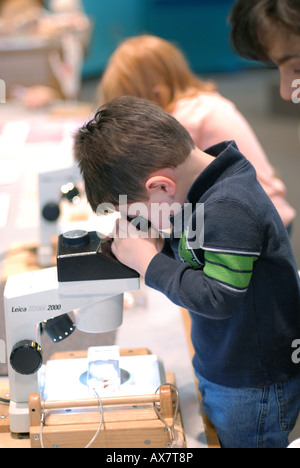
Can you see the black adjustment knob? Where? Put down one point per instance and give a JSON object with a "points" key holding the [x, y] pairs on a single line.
{"points": [[59, 328], [69, 192], [76, 238], [26, 357], [51, 212]]}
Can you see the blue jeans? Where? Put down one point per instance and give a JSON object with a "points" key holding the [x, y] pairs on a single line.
{"points": [[252, 417]]}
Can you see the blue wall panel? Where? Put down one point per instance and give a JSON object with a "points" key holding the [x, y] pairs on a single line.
{"points": [[198, 27], [114, 20]]}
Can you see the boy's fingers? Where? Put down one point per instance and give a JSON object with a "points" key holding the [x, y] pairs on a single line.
{"points": [[113, 248], [120, 229]]}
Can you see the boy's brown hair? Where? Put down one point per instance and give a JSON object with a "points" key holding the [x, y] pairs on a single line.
{"points": [[256, 22], [127, 140]]}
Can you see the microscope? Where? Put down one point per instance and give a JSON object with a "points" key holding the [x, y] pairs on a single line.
{"points": [[89, 281], [54, 186]]}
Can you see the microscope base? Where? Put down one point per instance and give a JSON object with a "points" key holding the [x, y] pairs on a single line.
{"points": [[19, 417]]}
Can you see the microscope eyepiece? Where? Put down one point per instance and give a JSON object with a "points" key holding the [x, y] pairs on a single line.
{"points": [[76, 238]]}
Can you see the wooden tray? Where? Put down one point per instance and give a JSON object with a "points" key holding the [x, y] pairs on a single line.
{"points": [[128, 421]]}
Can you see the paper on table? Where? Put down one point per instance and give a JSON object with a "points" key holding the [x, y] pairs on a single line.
{"points": [[10, 172], [46, 132]]}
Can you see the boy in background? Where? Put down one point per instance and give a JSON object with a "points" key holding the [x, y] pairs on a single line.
{"points": [[269, 30]]}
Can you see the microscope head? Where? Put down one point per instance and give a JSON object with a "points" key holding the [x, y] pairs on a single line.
{"points": [[84, 256], [85, 264]]}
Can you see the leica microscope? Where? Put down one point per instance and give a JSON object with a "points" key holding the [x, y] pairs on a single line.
{"points": [[88, 281]]}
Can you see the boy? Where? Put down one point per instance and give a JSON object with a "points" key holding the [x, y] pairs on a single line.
{"points": [[269, 30], [240, 282]]}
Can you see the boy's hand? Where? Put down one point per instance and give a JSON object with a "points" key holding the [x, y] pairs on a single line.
{"points": [[134, 248]]}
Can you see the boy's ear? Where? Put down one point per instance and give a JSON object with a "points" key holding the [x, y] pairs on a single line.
{"points": [[160, 182]]}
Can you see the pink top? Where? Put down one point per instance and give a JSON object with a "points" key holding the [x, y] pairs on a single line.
{"points": [[211, 119]]}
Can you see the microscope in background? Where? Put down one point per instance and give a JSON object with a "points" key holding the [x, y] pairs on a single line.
{"points": [[55, 188]]}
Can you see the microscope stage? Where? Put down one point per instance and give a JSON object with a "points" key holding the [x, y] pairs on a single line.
{"points": [[65, 379]]}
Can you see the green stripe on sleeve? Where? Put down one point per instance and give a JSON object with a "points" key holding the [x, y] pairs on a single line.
{"points": [[234, 270]]}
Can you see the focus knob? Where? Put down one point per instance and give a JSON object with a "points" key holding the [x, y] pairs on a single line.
{"points": [[26, 357], [51, 212]]}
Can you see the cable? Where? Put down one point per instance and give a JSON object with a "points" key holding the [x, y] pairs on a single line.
{"points": [[41, 430], [43, 421], [101, 420], [171, 430], [4, 400]]}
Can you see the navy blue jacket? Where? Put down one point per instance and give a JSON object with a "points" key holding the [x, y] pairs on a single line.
{"points": [[241, 285]]}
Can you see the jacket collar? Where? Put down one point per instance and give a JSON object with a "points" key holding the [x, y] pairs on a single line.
{"points": [[228, 160]]}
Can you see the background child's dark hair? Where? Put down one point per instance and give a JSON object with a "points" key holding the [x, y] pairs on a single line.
{"points": [[128, 139], [253, 21]]}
